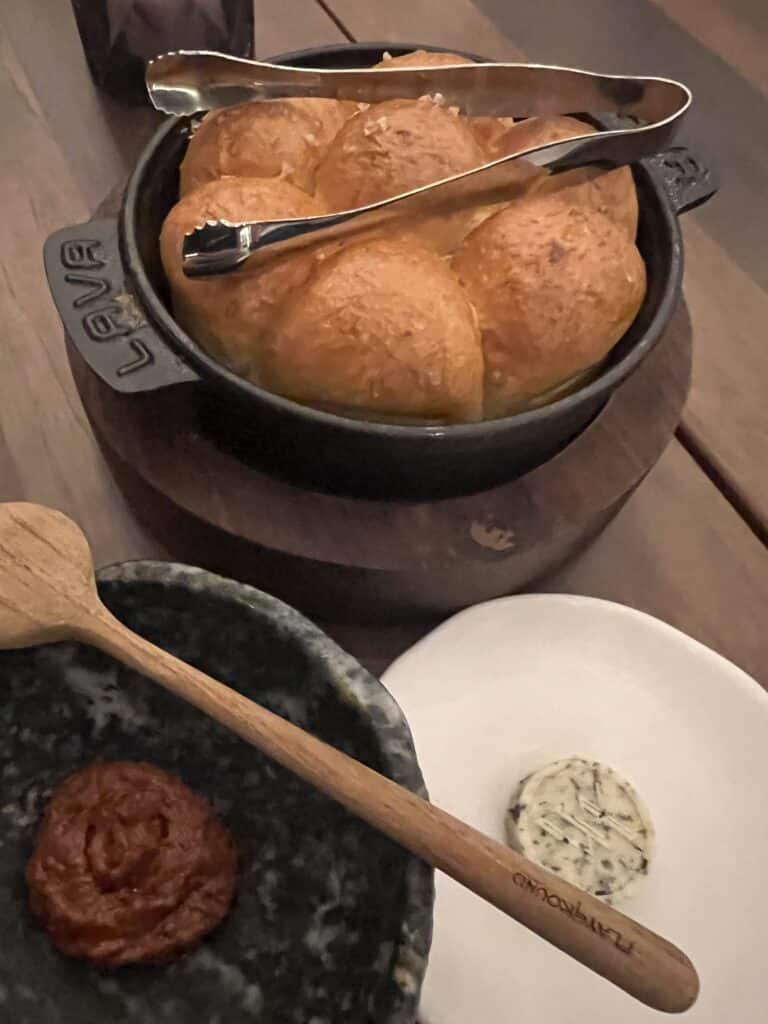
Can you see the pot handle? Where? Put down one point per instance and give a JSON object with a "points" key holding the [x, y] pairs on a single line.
{"points": [[100, 313], [687, 181]]}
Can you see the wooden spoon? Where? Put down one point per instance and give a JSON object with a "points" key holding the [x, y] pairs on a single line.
{"points": [[48, 593]]}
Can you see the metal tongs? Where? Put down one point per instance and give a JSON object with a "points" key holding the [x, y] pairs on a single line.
{"points": [[188, 82]]}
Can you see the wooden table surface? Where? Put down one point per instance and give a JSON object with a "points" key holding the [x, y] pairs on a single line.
{"points": [[690, 546]]}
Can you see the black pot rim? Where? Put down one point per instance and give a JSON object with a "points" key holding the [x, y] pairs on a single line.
{"points": [[224, 379]]}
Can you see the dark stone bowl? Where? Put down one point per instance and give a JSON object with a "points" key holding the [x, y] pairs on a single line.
{"points": [[332, 921]]}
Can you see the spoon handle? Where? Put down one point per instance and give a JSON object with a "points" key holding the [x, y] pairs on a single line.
{"points": [[637, 960]]}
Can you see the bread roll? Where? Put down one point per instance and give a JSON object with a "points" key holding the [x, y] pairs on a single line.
{"points": [[510, 136], [396, 146], [382, 328], [490, 133], [422, 59], [226, 314], [611, 192], [264, 139], [555, 284]]}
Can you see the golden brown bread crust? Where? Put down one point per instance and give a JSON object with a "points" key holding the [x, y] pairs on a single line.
{"points": [[555, 285], [423, 59], [396, 146], [381, 326], [509, 136], [490, 133], [278, 138], [612, 193], [227, 314]]}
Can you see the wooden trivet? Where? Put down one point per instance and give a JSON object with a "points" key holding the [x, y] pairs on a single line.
{"points": [[340, 558]]}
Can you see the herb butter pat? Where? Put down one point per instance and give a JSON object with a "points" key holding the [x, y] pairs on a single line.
{"points": [[581, 820]]}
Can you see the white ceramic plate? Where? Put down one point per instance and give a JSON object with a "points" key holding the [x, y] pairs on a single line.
{"points": [[508, 686]]}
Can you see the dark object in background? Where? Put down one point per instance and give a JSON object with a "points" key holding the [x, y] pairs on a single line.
{"points": [[119, 36]]}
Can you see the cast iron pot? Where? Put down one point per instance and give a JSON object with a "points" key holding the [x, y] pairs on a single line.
{"points": [[107, 282]]}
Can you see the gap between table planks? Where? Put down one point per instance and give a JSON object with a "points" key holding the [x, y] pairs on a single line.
{"points": [[725, 423], [726, 238], [677, 550], [731, 359]]}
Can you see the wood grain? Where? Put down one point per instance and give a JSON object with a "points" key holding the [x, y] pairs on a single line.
{"points": [[726, 421], [726, 418], [47, 441], [677, 550], [736, 31], [657, 556], [49, 593], [642, 963], [364, 559], [291, 25], [99, 137], [724, 125], [547, 513], [618, 565], [455, 24], [636, 37]]}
